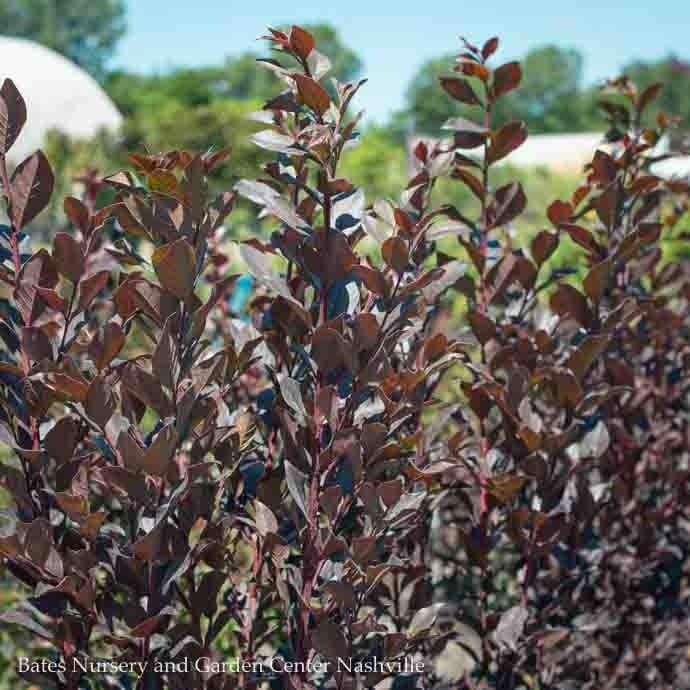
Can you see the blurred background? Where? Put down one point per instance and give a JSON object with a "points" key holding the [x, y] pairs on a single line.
{"points": [[105, 77]]}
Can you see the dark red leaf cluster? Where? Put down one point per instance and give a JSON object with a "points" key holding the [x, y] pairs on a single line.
{"points": [[343, 473]]}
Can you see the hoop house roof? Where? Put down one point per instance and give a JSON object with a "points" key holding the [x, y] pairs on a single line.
{"points": [[58, 94]]}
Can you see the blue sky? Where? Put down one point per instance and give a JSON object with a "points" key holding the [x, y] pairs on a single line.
{"points": [[395, 37]]}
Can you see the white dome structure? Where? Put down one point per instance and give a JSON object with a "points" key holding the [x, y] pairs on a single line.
{"points": [[59, 95]]}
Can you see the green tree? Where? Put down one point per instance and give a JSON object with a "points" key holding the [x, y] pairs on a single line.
{"points": [[377, 164], [428, 107], [674, 98], [550, 97], [244, 81], [86, 31], [190, 87]]}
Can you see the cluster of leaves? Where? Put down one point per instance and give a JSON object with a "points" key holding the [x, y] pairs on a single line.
{"points": [[576, 455], [190, 484]]}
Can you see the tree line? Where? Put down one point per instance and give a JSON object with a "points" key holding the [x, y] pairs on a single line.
{"points": [[553, 96]]}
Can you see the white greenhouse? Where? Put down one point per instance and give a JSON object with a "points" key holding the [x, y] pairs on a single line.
{"points": [[59, 95]]}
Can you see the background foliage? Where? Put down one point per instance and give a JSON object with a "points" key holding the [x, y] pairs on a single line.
{"points": [[86, 31]]}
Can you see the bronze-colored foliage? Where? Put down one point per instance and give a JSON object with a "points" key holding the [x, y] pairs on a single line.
{"points": [[190, 484]]}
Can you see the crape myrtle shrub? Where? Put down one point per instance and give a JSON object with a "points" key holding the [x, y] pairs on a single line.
{"points": [[182, 483]]}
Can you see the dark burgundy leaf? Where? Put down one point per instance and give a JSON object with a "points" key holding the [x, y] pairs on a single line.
{"points": [[12, 115], [68, 256], [31, 187], [301, 41], [505, 140], [312, 93], [460, 90], [506, 78]]}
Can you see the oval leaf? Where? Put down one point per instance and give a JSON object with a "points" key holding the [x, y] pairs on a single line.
{"points": [[12, 115], [30, 188], [175, 265], [312, 93]]}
